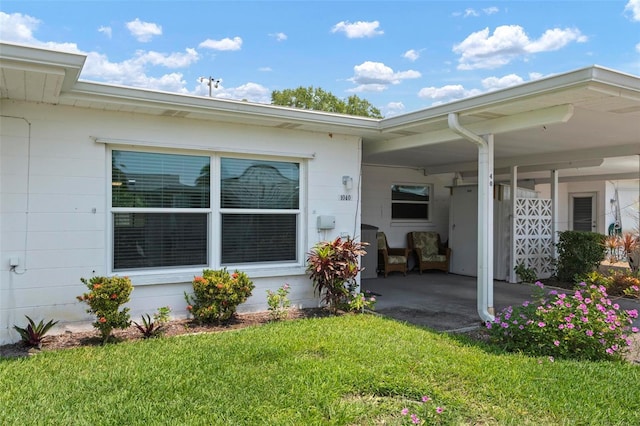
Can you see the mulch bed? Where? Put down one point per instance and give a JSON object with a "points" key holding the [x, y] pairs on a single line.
{"points": [[69, 339]]}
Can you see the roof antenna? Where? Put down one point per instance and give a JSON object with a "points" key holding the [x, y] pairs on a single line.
{"points": [[211, 82]]}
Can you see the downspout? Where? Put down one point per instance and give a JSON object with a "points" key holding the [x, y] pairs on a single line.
{"points": [[485, 216]]}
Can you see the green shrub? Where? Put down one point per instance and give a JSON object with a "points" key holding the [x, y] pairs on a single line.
{"points": [[105, 296], [333, 267], [617, 282], [527, 275], [585, 325], [278, 302], [579, 253], [217, 294]]}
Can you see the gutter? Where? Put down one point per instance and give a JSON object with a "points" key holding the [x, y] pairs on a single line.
{"points": [[485, 307]]}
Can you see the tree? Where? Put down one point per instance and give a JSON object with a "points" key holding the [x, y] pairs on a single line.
{"points": [[318, 99]]}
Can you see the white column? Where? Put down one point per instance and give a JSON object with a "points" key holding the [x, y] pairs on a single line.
{"points": [[554, 212], [485, 226], [514, 198]]}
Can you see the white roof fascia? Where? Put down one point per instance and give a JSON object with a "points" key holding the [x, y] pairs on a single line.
{"points": [[71, 63], [584, 76], [217, 108]]}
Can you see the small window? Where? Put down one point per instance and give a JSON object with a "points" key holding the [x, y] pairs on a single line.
{"points": [[410, 202]]}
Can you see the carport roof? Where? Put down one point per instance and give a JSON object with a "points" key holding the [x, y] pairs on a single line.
{"points": [[565, 121]]}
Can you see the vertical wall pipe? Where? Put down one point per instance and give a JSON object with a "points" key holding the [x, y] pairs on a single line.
{"points": [[485, 216]]}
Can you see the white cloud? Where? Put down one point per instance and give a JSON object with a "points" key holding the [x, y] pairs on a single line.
{"points": [[172, 60], [470, 12], [224, 44], [279, 36], [491, 10], [535, 76], [638, 47], [495, 83], [456, 91], [411, 55], [143, 31], [265, 69], [482, 50], [633, 9], [393, 108], [17, 27], [105, 30], [358, 29], [252, 92], [376, 76]]}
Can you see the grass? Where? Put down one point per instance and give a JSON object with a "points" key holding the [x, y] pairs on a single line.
{"points": [[347, 370]]}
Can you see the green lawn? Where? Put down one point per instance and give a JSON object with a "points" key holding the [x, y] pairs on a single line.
{"points": [[347, 370]]}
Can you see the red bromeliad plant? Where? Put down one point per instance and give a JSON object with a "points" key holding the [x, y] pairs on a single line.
{"points": [[333, 267]]}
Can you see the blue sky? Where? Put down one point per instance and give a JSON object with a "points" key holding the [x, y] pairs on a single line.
{"points": [[402, 56]]}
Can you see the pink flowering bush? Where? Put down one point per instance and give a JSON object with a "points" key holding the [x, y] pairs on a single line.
{"points": [[583, 325], [426, 414]]}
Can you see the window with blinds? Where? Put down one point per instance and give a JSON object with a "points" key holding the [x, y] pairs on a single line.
{"points": [[160, 207], [260, 209], [162, 210], [410, 202]]}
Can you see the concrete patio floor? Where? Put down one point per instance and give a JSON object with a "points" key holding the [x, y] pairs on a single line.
{"points": [[446, 302], [443, 302]]}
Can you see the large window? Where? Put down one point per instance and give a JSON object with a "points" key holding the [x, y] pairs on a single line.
{"points": [[163, 205], [410, 202], [260, 207], [160, 210]]}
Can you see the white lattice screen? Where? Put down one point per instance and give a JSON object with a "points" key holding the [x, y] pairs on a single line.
{"points": [[533, 238]]}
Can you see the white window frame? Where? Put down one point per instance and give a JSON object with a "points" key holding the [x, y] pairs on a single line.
{"points": [[429, 203], [165, 275]]}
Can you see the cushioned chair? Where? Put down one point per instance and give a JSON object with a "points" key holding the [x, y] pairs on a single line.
{"points": [[391, 259], [429, 252]]}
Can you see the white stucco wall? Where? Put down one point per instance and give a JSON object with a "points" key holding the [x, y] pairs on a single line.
{"points": [[566, 190], [629, 202], [376, 202], [53, 206]]}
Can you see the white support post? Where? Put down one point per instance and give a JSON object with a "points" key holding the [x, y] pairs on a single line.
{"points": [[514, 198], [485, 232], [484, 144], [554, 212]]}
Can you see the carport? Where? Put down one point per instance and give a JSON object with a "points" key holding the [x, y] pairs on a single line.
{"points": [[560, 127]]}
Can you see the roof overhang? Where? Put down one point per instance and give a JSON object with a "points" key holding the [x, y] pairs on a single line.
{"points": [[584, 115]]}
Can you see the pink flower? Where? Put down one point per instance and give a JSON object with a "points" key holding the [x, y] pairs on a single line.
{"points": [[415, 419], [439, 410], [556, 342], [404, 411], [426, 399], [541, 324], [589, 333]]}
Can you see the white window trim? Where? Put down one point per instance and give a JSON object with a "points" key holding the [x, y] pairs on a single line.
{"points": [[185, 274], [403, 222]]}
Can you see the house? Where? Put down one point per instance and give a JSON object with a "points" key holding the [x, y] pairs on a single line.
{"points": [[98, 179]]}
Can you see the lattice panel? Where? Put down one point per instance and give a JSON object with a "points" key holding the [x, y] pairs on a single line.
{"points": [[533, 239]]}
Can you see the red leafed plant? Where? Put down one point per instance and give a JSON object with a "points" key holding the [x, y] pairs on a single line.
{"points": [[333, 267]]}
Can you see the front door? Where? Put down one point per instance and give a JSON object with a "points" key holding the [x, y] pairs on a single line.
{"points": [[583, 211]]}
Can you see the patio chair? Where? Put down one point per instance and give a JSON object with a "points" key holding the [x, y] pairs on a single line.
{"points": [[429, 251], [391, 259]]}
